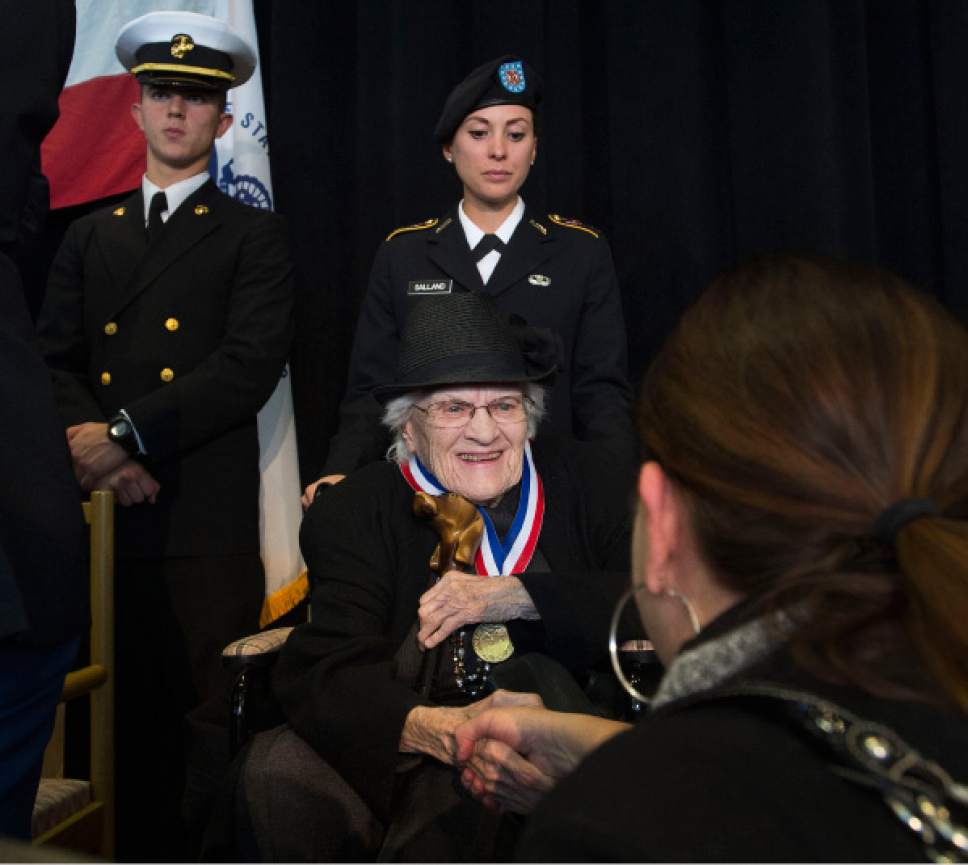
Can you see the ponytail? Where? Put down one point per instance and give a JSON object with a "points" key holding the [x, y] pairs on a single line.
{"points": [[932, 555]]}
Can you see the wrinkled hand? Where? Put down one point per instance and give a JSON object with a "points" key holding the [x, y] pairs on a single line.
{"points": [[310, 492], [93, 453], [459, 599], [131, 482], [513, 756], [430, 729]]}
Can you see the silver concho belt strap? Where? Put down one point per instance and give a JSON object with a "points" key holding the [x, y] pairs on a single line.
{"points": [[918, 791]]}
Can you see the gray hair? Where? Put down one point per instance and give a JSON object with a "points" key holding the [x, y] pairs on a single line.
{"points": [[399, 409]]}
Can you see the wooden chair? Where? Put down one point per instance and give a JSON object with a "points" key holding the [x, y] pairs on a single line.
{"points": [[73, 813]]}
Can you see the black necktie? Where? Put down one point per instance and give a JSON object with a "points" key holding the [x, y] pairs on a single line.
{"points": [[487, 243], [158, 203]]}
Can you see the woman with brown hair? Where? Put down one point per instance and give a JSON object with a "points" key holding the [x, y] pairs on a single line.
{"points": [[801, 566]]}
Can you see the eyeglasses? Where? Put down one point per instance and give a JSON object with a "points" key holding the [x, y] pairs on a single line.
{"points": [[457, 413]]}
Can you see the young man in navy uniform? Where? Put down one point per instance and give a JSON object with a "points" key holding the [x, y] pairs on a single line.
{"points": [[166, 326]]}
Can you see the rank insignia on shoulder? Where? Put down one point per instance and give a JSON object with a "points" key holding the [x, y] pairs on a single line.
{"points": [[537, 225], [539, 279], [118, 211], [420, 287], [201, 209], [417, 226], [573, 223]]}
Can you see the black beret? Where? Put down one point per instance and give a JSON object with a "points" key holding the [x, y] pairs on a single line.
{"points": [[508, 80]]}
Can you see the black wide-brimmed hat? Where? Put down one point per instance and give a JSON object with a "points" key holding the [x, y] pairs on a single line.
{"points": [[185, 49], [506, 80], [462, 339]]}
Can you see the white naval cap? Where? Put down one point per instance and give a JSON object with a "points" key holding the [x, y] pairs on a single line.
{"points": [[185, 49]]}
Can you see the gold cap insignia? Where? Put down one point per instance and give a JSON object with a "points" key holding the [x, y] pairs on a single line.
{"points": [[539, 279], [119, 211], [181, 44], [201, 209]]}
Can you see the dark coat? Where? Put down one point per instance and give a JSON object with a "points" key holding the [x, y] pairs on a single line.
{"points": [[208, 306], [40, 43], [737, 780], [44, 590], [368, 561], [581, 303]]}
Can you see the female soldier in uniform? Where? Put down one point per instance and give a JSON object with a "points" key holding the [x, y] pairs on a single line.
{"points": [[555, 273]]}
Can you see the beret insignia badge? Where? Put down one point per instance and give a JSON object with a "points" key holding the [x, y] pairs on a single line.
{"points": [[181, 44], [511, 76]]}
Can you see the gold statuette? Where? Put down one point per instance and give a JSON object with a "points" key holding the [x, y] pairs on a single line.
{"points": [[492, 643]]}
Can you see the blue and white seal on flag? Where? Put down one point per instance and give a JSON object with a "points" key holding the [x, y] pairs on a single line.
{"points": [[245, 187], [511, 76]]}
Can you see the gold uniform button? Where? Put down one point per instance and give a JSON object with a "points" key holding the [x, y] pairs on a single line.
{"points": [[172, 324], [105, 378], [111, 328], [167, 374]]}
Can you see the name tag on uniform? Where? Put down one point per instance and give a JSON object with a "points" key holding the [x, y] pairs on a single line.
{"points": [[429, 286]]}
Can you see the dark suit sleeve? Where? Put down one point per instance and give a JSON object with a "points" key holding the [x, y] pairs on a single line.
{"points": [[61, 331], [236, 379], [335, 678], [43, 585], [601, 396], [38, 45], [361, 438]]}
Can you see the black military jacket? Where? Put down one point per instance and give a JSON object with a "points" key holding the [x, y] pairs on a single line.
{"points": [[189, 335], [555, 273]]}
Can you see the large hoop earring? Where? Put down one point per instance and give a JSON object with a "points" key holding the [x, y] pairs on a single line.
{"points": [[690, 609], [630, 689]]}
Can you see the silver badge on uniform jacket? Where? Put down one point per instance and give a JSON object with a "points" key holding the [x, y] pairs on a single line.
{"points": [[539, 279], [429, 286]]}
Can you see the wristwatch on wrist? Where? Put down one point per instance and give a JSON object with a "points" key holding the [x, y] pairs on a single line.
{"points": [[121, 432]]}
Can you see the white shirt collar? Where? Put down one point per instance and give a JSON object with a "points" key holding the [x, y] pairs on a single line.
{"points": [[176, 193], [504, 231]]}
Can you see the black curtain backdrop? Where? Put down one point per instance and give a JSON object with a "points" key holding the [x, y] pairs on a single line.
{"points": [[693, 133]]}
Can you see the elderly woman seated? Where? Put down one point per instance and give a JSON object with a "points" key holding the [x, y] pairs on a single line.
{"points": [[387, 668]]}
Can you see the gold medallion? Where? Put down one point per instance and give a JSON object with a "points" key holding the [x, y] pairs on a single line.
{"points": [[492, 643]]}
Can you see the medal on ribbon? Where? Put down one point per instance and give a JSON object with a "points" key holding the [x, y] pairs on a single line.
{"points": [[496, 556]]}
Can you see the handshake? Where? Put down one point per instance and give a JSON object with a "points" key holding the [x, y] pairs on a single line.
{"points": [[511, 756]]}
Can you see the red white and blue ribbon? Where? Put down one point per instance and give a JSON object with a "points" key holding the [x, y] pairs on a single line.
{"points": [[496, 557]]}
